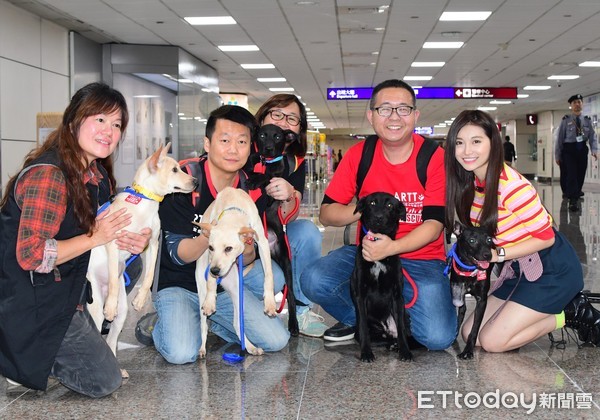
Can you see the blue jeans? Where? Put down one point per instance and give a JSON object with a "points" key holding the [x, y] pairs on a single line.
{"points": [[305, 241], [177, 335], [433, 320]]}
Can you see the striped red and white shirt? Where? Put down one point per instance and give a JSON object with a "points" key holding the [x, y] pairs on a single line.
{"points": [[521, 215]]}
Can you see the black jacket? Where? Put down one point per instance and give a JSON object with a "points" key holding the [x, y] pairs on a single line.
{"points": [[36, 308]]}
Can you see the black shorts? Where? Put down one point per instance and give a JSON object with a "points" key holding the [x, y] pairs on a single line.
{"points": [[560, 281]]}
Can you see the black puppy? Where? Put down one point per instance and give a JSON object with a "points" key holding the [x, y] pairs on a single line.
{"points": [[271, 141], [376, 287], [470, 269]]}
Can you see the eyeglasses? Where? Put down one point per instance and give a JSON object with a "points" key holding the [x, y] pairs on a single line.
{"points": [[386, 111], [278, 116]]}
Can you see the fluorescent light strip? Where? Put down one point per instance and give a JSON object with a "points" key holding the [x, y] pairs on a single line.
{"points": [[282, 89], [271, 79], [257, 66], [590, 64], [534, 87], [464, 16], [428, 64], [443, 44], [487, 108], [418, 77], [233, 48], [522, 96], [210, 20], [497, 102], [563, 77]]}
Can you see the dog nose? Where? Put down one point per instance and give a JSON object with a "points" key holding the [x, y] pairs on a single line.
{"points": [[215, 271]]}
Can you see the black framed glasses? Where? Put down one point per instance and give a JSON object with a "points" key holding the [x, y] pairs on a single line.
{"points": [[278, 116], [386, 111]]}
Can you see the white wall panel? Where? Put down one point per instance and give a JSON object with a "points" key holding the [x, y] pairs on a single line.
{"points": [[55, 92], [19, 35], [20, 100], [55, 48], [13, 153]]}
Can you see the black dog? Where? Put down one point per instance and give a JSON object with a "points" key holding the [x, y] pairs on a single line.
{"points": [[470, 269], [376, 287], [271, 141]]}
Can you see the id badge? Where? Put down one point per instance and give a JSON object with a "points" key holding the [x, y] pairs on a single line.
{"points": [[579, 139]]}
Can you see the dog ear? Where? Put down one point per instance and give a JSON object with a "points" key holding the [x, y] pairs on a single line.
{"points": [[290, 136], [153, 161], [458, 228], [402, 211], [204, 226], [360, 206]]}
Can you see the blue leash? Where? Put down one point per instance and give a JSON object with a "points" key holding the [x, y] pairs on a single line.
{"points": [[232, 357], [452, 256]]}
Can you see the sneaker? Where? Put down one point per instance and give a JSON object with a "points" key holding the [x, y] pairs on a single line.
{"points": [[145, 327], [584, 319], [339, 332], [311, 324], [13, 387]]}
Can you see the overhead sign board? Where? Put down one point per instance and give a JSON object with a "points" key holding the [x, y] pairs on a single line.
{"points": [[347, 93], [532, 119]]}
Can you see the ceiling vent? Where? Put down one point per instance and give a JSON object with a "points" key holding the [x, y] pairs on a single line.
{"points": [[356, 10]]}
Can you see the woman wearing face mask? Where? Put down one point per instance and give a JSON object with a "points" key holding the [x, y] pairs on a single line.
{"points": [[538, 289], [287, 112]]}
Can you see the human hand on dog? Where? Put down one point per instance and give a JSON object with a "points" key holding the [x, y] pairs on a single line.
{"points": [[109, 225], [376, 247], [279, 189], [134, 242]]}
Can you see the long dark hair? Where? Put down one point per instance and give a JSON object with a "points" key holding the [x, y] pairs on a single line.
{"points": [[460, 183], [282, 100], [92, 99]]}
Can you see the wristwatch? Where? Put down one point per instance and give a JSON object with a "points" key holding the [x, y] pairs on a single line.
{"points": [[501, 254]]}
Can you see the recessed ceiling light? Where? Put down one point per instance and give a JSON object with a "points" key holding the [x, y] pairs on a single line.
{"points": [[282, 89], [418, 77], [487, 108], [443, 44], [310, 113], [563, 77], [534, 87], [428, 64], [497, 102], [522, 95], [231, 48], [258, 66], [590, 64], [271, 79], [210, 20], [464, 16]]}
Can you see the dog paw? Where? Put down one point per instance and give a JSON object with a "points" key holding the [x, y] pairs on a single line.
{"points": [[124, 374], [270, 307], [293, 329], [139, 301], [202, 352], [254, 351], [405, 356], [367, 356], [110, 310], [466, 355], [209, 308]]}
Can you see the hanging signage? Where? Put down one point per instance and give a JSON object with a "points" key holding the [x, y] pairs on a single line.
{"points": [[349, 93], [532, 119]]}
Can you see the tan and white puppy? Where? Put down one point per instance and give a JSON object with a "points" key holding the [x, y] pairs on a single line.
{"points": [[158, 176], [231, 220]]}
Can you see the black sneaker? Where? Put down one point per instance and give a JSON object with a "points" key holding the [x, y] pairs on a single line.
{"points": [[573, 205], [339, 332], [144, 328]]}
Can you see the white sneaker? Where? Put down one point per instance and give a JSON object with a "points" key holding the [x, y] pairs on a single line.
{"points": [[311, 324]]}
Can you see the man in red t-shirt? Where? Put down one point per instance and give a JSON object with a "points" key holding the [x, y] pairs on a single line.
{"points": [[419, 240]]}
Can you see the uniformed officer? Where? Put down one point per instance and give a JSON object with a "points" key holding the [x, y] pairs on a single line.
{"points": [[571, 150]]}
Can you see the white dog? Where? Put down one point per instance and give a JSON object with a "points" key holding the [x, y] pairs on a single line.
{"points": [[158, 176], [231, 220]]}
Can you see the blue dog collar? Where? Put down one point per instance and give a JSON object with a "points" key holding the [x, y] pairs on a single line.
{"points": [[452, 256], [273, 160]]}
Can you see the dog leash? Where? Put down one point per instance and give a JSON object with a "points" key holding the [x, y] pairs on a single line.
{"points": [[284, 221], [232, 357], [452, 260], [407, 276]]}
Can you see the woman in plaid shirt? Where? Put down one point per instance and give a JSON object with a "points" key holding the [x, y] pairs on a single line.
{"points": [[48, 226]]}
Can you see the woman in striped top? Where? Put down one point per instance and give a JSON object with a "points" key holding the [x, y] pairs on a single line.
{"points": [[542, 276]]}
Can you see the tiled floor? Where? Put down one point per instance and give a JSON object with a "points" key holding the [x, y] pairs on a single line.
{"points": [[310, 380]]}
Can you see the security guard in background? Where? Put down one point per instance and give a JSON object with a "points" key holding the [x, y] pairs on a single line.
{"points": [[571, 150]]}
